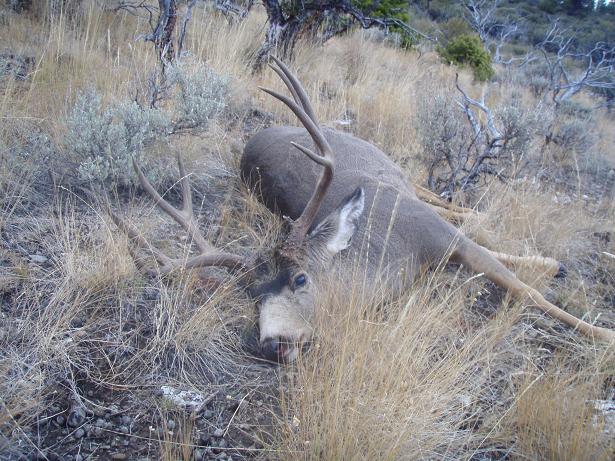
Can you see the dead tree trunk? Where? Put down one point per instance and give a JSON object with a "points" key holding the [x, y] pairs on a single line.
{"points": [[285, 27], [282, 34]]}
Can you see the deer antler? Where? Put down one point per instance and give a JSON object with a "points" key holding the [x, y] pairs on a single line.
{"points": [[185, 218], [301, 107]]}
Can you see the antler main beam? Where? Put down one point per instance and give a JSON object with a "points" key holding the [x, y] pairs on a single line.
{"points": [[300, 105], [185, 216], [209, 257]]}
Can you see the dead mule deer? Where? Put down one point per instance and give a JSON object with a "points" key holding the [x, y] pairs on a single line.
{"points": [[340, 192]]}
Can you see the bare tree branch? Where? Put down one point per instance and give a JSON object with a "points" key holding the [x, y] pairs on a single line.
{"points": [[184, 27], [565, 81], [489, 145], [480, 15], [162, 35]]}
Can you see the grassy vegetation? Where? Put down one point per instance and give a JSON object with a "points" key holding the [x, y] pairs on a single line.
{"points": [[449, 370]]}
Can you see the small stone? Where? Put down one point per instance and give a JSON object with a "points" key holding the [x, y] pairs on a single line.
{"points": [[218, 433], [198, 455], [79, 433], [39, 259], [60, 419], [76, 417], [124, 429], [126, 420], [97, 432], [223, 443], [232, 405], [170, 424], [150, 293], [208, 414], [100, 422]]}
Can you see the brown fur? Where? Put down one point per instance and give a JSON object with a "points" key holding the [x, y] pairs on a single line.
{"points": [[397, 233]]}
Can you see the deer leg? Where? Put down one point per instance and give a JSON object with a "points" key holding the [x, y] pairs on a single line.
{"points": [[451, 215], [433, 199], [480, 260], [551, 266]]}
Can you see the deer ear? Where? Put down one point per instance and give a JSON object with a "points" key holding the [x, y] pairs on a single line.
{"points": [[335, 232]]}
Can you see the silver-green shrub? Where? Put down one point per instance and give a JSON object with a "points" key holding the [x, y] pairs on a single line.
{"points": [[458, 149], [575, 135], [518, 126], [201, 95], [106, 140]]}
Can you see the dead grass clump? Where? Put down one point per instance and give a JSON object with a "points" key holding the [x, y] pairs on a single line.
{"points": [[15, 184], [396, 382], [558, 413], [87, 318]]}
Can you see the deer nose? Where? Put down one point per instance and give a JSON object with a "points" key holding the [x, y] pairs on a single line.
{"points": [[275, 349]]}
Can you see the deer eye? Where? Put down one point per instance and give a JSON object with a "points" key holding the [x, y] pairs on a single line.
{"points": [[300, 280]]}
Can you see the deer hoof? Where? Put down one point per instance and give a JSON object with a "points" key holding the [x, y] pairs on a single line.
{"points": [[562, 272]]}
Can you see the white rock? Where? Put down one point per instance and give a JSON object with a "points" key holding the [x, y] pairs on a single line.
{"points": [[607, 409], [187, 399]]}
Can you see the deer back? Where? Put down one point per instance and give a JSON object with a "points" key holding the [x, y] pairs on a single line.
{"points": [[397, 235]]}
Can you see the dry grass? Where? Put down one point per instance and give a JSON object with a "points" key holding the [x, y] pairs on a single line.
{"points": [[555, 416], [433, 374], [402, 381]]}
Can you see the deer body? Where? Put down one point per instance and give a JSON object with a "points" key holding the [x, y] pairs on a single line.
{"points": [[347, 203]]}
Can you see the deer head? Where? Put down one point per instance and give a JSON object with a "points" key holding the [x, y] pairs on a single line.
{"points": [[286, 303]]}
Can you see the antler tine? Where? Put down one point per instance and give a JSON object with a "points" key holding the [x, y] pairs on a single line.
{"points": [[208, 257], [167, 264], [134, 235], [295, 87], [185, 216], [186, 189], [307, 122], [288, 84], [324, 161]]}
